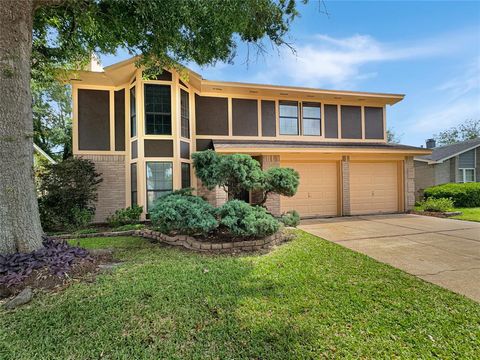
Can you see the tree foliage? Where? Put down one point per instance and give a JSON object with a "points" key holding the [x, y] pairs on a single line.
{"points": [[68, 193], [52, 122], [163, 31], [468, 130], [393, 137], [64, 34], [283, 181], [239, 172]]}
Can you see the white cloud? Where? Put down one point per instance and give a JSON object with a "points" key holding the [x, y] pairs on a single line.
{"points": [[340, 62]]}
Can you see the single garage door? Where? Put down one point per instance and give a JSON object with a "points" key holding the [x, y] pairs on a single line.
{"points": [[373, 188], [317, 193]]}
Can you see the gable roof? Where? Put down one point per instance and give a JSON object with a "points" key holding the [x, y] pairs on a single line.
{"points": [[121, 72], [442, 153]]}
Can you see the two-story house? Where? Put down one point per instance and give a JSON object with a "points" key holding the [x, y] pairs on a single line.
{"points": [[141, 133]]}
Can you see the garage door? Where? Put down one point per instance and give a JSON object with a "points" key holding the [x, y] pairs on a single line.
{"points": [[373, 188], [317, 192]]}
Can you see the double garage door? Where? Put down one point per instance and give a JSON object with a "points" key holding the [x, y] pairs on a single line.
{"points": [[373, 188]]}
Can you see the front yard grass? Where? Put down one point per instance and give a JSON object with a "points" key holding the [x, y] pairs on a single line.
{"points": [[306, 299], [470, 214]]}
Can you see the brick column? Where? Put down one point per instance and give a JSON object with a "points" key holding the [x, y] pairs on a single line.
{"points": [[273, 201], [346, 185], [217, 197], [111, 191], [409, 183]]}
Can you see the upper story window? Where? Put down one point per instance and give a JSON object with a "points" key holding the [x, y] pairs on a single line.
{"points": [[158, 110], [133, 113], [311, 119], [288, 118], [185, 114]]}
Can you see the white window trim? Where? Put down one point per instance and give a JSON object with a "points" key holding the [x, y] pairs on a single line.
{"points": [[463, 178]]}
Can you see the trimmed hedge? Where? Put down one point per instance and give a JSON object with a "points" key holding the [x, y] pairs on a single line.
{"points": [[183, 214], [247, 221], [463, 195]]}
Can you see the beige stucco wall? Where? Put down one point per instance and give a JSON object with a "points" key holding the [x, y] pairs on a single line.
{"points": [[111, 192]]}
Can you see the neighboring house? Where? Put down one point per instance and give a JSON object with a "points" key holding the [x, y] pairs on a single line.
{"points": [[141, 133], [458, 162]]}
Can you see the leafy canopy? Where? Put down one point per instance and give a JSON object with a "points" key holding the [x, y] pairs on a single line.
{"points": [[468, 130], [166, 32]]}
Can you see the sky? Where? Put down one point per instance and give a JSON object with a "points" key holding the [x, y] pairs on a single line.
{"points": [[427, 50]]}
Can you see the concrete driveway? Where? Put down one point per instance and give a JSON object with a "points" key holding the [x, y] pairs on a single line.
{"points": [[445, 252]]}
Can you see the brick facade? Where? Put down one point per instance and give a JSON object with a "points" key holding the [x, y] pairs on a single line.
{"points": [[409, 183], [273, 201], [217, 197], [346, 185], [111, 192]]}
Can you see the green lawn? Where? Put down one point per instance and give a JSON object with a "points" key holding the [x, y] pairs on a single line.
{"points": [[307, 299], [471, 214]]}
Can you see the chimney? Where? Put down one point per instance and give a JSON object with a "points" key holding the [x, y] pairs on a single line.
{"points": [[430, 143]]}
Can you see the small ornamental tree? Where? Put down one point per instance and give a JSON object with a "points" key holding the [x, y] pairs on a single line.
{"points": [[283, 181], [234, 173], [238, 172]]}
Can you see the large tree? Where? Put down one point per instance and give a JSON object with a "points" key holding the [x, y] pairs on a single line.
{"points": [[40, 37], [468, 130]]}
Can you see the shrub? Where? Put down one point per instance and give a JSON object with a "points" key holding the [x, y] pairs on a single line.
{"points": [[68, 193], [433, 204], [129, 215], [58, 257], [190, 215], [463, 195], [290, 218], [243, 220]]}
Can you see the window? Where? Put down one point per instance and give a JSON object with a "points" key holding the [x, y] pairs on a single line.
{"points": [[158, 115], [159, 181], [311, 119], [185, 175], [133, 113], [133, 184], [466, 166], [466, 175], [185, 114], [288, 118]]}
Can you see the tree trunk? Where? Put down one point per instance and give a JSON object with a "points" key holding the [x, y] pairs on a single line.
{"points": [[20, 228]]}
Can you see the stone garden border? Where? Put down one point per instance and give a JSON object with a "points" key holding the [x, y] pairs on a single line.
{"points": [[191, 243]]}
